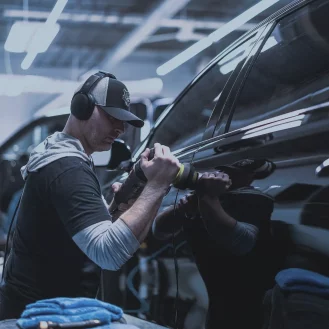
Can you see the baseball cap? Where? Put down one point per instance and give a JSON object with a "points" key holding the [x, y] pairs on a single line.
{"points": [[113, 97], [259, 168]]}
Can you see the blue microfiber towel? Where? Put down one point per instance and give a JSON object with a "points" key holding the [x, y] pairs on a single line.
{"points": [[65, 310], [299, 280]]}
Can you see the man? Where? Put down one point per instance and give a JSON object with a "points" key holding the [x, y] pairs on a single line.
{"points": [[226, 223], [63, 227]]}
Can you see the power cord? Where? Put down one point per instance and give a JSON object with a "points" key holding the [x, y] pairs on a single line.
{"points": [[174, 253], [176, 266]]}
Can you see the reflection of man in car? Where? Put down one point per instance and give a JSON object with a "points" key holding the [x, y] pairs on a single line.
{"points": [[63, 226], [227, 224]]}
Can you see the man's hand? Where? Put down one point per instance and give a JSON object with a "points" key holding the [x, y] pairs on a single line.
{"points": [[122, 206], [188, 205], [162, 169], [213, 184]]}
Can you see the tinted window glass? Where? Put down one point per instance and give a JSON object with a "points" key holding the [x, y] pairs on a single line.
{"points": [[132, 135], [24, 144], [185, 123], [158, 111], [291, 71]]}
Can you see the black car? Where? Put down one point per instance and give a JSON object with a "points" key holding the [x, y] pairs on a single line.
{"points": [[265, 96]]}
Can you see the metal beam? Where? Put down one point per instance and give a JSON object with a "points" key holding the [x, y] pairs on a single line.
{"points": [[167, 9]]}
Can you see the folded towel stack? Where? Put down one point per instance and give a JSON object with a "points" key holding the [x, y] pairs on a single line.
{"points": [[300, 280], [69, 310]]}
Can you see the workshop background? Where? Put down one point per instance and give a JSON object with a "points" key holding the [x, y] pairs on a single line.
{"points": [[157, 47], [129, 38]]}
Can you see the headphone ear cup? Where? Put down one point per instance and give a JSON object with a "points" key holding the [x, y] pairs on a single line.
{"points": [[82, 106]]}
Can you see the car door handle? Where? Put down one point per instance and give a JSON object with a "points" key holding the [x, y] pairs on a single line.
{"points": [[323, 169]]}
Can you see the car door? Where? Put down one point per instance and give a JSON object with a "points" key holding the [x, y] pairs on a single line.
{"points": [[281, 113], [14, 153], [190, 120], [187, 122], [184, 127]]}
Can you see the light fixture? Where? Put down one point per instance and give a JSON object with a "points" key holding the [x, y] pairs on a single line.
{"points": [[20, 36], [44, 35], [152, 86], [184, 56], [14, 85], [237, 51], [30, 37], [215, 36]]}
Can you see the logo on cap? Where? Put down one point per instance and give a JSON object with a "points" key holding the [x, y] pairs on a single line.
{"points": [[126, 97]]}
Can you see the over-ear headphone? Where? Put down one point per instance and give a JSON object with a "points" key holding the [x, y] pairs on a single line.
{"points": [[83, 102]]}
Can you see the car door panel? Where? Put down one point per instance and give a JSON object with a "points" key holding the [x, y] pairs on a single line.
{"points": [[285, 119], [293, 182]]}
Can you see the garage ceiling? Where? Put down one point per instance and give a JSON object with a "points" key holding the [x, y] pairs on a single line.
{"points": [[131, 38]]}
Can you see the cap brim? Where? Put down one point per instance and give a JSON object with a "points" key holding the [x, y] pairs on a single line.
{"points": [[124, 115]]}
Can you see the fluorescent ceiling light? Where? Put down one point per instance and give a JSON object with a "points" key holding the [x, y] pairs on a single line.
{"points": [[324, 164], [44, 35], [215, 36], [237, 51], [11, 84], [166, 9], [125, 20], [56, 12], [28, 60], [30, 37], [43, 38], [231, 65], [20, 35], [241, 19], [14, 85], [151, 86], [184, 56]]}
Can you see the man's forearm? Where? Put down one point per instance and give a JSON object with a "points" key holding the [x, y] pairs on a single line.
{"points": [[139, 217], [237, 237], [214, 216]]}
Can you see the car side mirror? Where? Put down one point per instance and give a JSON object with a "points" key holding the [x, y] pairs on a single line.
{"points": [[119, 153]]}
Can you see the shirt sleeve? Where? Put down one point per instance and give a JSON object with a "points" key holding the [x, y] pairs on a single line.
{"points": [[77, 198], [252, 211]]}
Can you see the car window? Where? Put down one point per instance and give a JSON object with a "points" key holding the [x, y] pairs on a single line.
{"points": [[291, 71], [158, 111], [132, 135], [186, 121], [24, 144]]}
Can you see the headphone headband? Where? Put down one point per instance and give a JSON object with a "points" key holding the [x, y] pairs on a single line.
{"points": [[92, 80]]}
